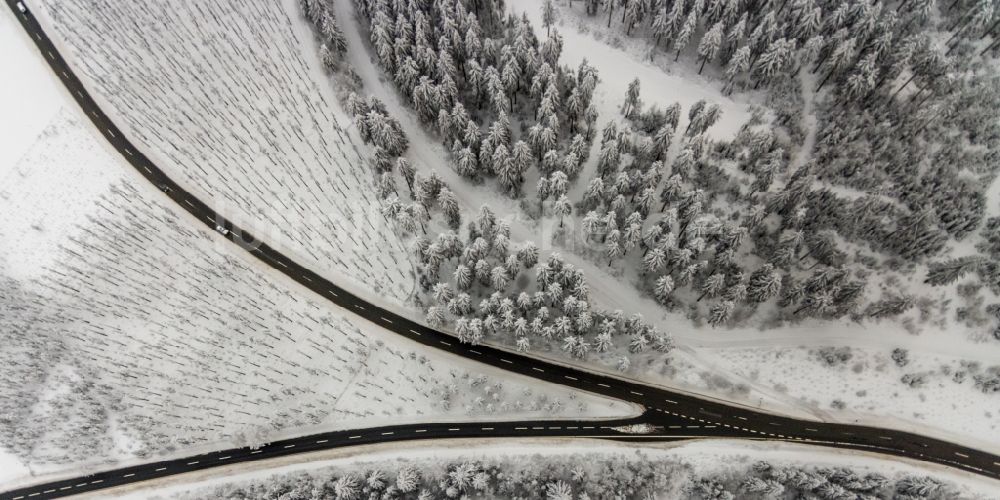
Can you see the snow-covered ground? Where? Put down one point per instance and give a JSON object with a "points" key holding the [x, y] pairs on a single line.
{"points": [[130, 331], [681, 462], [29, 96], [229, 99]]}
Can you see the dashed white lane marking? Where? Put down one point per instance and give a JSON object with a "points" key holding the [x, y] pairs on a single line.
{"points": [[98, 481], [307, 278], [887, 438], [741, 418], [473, 351], [506, 361], [128, 151], [453, 429], [810, 429], [192, 463], [387, 320], [359, 307], [254, 452], [331, 292], [636, 393], [354, 437], [225, 458], [604, 385], [774, 424], [589, 427], [289, 446], [570, 378], [538, 369], [520, 428], [34, 494], [189, 203], [49, 52], [78, 485], [420, 430], [670, 401], [19, 498], [63, 74], [997, 464], [321, 441], [675, 427], [49, 491], [487, 428], [150, 171], [963, 455], [414, 332], [445, 343], [384, 434], [110, 132], [161, 469], [129, 475], [282, 264], [79, 93]]}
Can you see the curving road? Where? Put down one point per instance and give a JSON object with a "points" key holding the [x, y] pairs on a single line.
{"points": [[677, 413]]}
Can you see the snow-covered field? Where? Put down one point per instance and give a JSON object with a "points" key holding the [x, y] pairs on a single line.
{"points": [[228, 98], [130, 331], [679, 464]]}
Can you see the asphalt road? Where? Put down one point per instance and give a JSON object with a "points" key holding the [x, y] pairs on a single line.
{"points": [[679, 414]]}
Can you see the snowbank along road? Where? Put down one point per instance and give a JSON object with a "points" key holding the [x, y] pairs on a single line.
{"points": [[676, 415]]}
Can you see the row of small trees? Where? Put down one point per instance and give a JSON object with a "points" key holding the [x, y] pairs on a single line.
{"points": [[583, 477]]}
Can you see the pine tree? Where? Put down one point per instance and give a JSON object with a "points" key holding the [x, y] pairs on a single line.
{"points": [[765, 283], [685, 33], [739, 63], [664, 287], [449, 205], [710, 44], [548, 16], [463, 277], [563, 207], [948, 272], [407, 479], [631, 99], [721, 312], [528, 255], [712, 286]]}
